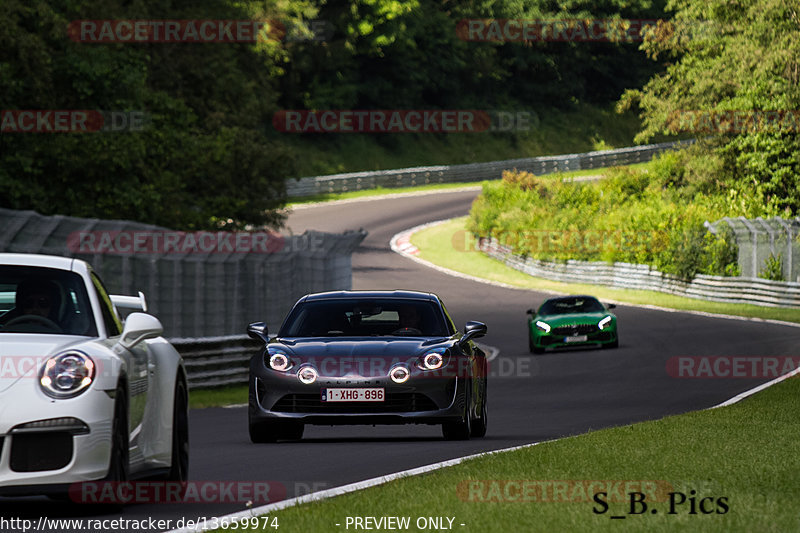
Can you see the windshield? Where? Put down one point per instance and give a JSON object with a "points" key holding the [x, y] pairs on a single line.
{"points": [[564, 306], [365, 317], [44, 300]]}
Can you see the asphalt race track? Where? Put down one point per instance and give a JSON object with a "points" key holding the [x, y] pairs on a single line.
{"points": [[531, 398]]}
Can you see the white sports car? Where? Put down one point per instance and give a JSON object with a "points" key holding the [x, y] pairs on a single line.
{"points": [[82, 396]]}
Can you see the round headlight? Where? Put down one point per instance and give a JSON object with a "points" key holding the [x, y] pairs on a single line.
{"points": [[432, 360], [279, 361], [307, 375], [399, 374], [67, 374]]}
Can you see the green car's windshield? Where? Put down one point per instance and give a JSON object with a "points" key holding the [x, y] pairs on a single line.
{"points": [[577, 304]]}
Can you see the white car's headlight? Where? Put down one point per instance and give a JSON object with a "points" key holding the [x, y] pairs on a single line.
{"points": [[67, 374], [544, 326], [603, 323]]}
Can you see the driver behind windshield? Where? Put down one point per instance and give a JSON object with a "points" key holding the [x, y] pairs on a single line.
{"points": [[408, 318], [38, 297]]}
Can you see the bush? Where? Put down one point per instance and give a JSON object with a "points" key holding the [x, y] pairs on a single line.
{"points": [[773, 268], [652, 215]]}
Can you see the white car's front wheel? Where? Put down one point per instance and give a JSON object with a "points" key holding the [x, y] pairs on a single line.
{"points": [[119, 464], [179, 466]]}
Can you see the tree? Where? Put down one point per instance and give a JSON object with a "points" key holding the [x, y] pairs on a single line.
{"points": [[203, 158], [731, 56]]}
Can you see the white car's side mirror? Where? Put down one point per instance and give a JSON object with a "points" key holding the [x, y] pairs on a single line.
{"points": [[138, 327]]}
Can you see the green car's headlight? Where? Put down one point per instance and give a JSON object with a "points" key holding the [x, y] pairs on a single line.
{"points": [[544, 326], [605, 322], [67, 374]]}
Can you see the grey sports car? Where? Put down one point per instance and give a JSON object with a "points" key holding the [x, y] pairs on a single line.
{"points": [[367, 357]]}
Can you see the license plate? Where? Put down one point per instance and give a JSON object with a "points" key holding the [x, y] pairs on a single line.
{"points": [[577, 338], [353, 395]]}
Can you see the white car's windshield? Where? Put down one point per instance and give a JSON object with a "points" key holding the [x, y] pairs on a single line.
{"points": [[44, 300]]}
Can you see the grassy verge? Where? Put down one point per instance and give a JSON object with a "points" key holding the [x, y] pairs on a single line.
{"points": [[582, 129], [449, 245], [743, 453], [381, 191], [200, 398]]}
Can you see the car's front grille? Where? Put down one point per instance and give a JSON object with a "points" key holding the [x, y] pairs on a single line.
{"points": [[575, 329], [400, 402], [35, 452], [598, 336]]}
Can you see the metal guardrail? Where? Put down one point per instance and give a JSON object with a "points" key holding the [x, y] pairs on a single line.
{"points": [[410, 177], [755, 291], [217, 361]]}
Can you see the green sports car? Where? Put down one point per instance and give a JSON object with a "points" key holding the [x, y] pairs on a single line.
{"points": [[568, 321]]}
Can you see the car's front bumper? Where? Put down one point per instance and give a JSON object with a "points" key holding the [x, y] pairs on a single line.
{"points": [[44, 457], [423, 399], [597, 338]]}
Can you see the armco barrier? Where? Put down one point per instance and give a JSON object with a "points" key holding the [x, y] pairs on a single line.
{"points": [[755, 291], [217, 361], [409, 177], [197, 294]]}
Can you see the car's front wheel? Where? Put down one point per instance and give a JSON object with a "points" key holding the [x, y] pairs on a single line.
{"points": [[179, 468], [479, 424], [532, 346], [460, 429], [614, 344], [119, 465]]}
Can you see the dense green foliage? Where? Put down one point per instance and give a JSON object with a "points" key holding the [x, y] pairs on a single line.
{"points": [[725, 56], [745, 56], [209, 156], [392, 54], [634, 216], [203, 154]]}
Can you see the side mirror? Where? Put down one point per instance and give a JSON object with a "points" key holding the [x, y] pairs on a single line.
{"points": [[258, 331], [611, 306], [529, 311], [138, 327], [473, 330]]}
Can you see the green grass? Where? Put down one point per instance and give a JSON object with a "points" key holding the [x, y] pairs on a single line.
{"points": [[583, 129], [378, 191], [449, 245], [382, 191], [200, 398], [745, 453]]}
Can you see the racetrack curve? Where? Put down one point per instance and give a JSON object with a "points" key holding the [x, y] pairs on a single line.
{"points": [[531, 398]]}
